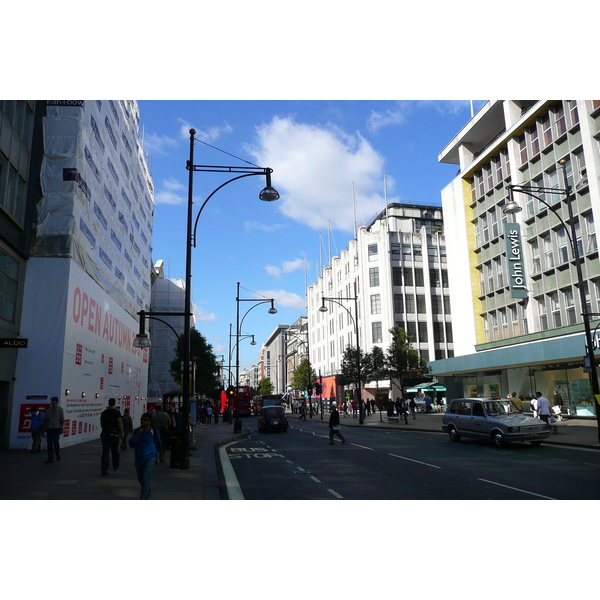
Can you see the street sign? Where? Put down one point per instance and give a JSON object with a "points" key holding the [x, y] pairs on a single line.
{"points": [[13, 342]]}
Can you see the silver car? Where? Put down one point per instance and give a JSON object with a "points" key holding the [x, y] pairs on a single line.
{"points": [[492, 419]]}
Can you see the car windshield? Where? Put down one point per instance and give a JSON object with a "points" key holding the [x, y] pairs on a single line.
{"points": [[500, 407]]}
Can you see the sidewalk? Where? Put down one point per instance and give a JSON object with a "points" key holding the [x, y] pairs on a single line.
{"points": [[25, 476], [576, 432]]}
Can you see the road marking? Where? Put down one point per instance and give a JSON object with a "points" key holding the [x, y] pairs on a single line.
{"points": [[416, 461], [314, 479], [359, 446], [517, 489], [335, 494], [234, 491]]}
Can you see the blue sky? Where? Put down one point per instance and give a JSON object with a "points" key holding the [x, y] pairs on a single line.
{"points": [[322, 153]]}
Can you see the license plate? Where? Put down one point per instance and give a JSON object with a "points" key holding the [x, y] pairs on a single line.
{"points": [[275, 422]]}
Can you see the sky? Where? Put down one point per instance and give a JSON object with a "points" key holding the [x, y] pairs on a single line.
{"points": [[327, 157]]}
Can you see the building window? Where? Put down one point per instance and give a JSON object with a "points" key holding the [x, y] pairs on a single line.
{"points": [[9, 276], [376, 304], [374, 276], [419, 281], [377, 333], [372, 249], [398, 304]]}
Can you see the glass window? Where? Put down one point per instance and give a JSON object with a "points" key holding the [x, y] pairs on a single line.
{"points": [[376, 304], [398, 304], [377, 333], [374, 276]]}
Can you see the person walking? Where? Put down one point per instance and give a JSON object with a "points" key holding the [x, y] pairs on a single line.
{"points": [[543, 407], [37, 425], [112, 432], [147, 443], [53, 426], [413, 407], [334, 424], [127, 428]]}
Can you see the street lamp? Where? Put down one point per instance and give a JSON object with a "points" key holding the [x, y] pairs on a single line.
{"points": [[511, 207], [237, 426], [267, 194], [323, 308]]}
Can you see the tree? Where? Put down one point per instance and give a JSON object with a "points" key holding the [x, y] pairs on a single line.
{"points": [[207, 368], [265, 386], [402, 360], [304, 376]]}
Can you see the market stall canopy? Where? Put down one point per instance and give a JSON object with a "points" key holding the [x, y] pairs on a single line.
{"points": [[432, 387]]}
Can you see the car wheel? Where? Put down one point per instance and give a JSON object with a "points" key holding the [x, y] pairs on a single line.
{"points": [[454, 435], [498, 440], [536, 443]]}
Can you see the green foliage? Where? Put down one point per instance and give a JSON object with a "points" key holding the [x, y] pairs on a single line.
{"points": [[402, 360], [207, 382], [265, 386], [304, 376]]}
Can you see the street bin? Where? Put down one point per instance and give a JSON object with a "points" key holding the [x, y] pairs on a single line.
{"points": [[175, 453]]}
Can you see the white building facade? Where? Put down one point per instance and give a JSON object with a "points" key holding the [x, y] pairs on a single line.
{"points": [[396, 269], [525, 337]]}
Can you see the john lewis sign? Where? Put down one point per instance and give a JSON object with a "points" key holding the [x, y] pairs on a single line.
{"points": [[516, 263]]}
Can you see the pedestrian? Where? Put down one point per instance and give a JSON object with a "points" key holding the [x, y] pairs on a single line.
{"points": [[112, 431], [543, 407], [516, 401], [534, 407], [334, 424], [558, 401], [427, 403], [147, 443], [37, 426], [127, 428], [53, 426], [413, 407]]}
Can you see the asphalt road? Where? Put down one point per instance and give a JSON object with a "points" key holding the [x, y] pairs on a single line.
{"points": [[403, 465]]}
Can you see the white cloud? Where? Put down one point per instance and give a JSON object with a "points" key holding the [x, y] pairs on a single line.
{"points": [[252, 225], [284, 299], [171, 192], [206, 135], [314, 168], [159, 144]]}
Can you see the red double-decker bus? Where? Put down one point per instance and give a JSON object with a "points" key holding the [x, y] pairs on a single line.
{"points": [[243, 406]]}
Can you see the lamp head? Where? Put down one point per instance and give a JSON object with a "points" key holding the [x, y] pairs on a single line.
{"points": [[142, 341]]}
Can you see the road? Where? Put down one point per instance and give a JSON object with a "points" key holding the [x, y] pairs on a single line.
{"points": [[403, 465]]}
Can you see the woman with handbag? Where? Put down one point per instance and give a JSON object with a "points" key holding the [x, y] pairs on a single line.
{"points": [[334, 424]]}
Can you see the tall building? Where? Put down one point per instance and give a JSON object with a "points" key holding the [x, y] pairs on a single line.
{"points": [[20, 147], [89, 268], [522, 330], [396, 269]]}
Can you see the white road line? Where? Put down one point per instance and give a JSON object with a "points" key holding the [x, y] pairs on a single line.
{"points": [[416, 461], [314, 479], [359, 446], [335, 494], [516, 489], [234, 491]]}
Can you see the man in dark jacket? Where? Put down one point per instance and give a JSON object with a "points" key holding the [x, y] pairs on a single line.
{"points": [[334, 424], [112, 433]]}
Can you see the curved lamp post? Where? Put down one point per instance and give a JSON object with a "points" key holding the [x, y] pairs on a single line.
{"points": [[237, 426], [267, 194], [511, 207], [323, 308]]}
